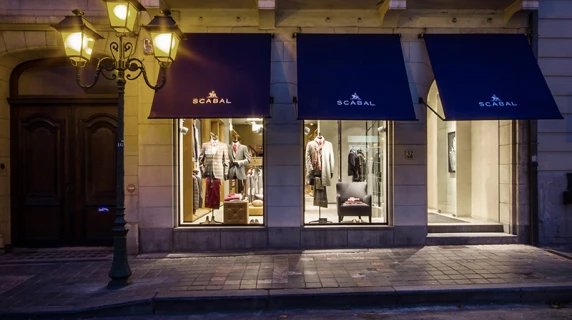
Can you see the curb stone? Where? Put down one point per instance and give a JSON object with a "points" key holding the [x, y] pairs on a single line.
{"points": [[337, 298]]}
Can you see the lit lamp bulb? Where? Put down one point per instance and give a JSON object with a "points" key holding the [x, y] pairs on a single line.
{"points": [[74, 41], [164, 43], [121, 12], [77, 41]]}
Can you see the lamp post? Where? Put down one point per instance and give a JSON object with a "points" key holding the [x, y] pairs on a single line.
{"points": [[79, 38]]}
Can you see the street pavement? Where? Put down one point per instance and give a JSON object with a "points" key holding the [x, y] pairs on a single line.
{"points": [[505, 312], [60, 285]]}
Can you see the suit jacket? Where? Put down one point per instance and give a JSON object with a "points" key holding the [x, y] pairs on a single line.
{"points": [[242, 158], [327, 161], [214, 160]]}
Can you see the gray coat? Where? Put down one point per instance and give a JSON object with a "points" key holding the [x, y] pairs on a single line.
{"points": [[242, 158], [214, 159], [327, 161]]}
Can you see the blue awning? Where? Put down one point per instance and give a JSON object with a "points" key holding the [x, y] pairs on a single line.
{"points": [[352, 77], [217, 75], [489, 77]]}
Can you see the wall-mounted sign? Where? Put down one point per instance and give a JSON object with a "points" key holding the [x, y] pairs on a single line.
{"points": [[103, 209], [409, 154]]}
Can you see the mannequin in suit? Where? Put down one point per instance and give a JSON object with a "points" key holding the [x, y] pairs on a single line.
{"points": [[239, 157], [214, 162]]}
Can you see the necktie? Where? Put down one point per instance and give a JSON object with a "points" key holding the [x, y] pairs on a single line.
{"points": [[234, 147]]}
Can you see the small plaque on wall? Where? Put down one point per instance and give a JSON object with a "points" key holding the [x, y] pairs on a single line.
{"points": [[410, 154]]}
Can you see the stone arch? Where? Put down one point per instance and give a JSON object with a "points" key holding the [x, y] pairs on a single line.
{"points": [[433, 99]]}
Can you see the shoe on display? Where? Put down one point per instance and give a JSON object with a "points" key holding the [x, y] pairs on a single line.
{"points": [[256, 221], [251, 221]]}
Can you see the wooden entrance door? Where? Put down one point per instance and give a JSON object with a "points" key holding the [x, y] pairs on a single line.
{"points": [[63, 174]]}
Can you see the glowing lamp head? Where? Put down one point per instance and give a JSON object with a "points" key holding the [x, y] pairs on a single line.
{"points": [[123, 14], [166, 37], [78, 44], [79, 38]]}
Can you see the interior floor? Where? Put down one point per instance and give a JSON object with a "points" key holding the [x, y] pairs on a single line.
{"points": [[208, 214], [435, 217], [313, 213]]}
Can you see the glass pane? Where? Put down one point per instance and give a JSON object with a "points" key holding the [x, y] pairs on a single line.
{"points": [[345, 172], [117, 13], [463, 171], [162, 44], [131, 17], [222, 172], [78, 45], [175, 47]]}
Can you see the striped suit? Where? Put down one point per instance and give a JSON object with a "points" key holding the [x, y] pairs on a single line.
{"points": [[214, 160]]}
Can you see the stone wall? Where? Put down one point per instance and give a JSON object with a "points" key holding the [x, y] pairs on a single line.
{"points": [[555, 136], [151, 209]]}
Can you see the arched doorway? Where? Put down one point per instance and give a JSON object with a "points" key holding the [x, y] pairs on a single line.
{"points": [[63, 155], [464, 172]]}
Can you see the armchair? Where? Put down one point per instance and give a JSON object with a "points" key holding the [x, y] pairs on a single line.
{"points": [[357, 190]]}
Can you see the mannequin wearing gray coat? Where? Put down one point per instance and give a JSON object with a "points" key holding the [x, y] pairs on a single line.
{"points": [[238, 160], [327, 159]]}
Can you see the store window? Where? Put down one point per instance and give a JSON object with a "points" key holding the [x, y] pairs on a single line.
{"points": [[466, 175], [345, 172], [221, 170]]}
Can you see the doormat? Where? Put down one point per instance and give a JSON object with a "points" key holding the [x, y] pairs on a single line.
{"points": [[437, 218]]}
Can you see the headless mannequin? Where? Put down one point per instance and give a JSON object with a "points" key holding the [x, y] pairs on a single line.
{"points": [[214, 163], [239, 159]]}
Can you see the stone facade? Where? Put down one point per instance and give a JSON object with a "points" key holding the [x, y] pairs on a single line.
{"points": [[151, 208], [555, 137]]}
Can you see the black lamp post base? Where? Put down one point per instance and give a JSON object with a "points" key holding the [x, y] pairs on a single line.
{"points": [[119, 283]]}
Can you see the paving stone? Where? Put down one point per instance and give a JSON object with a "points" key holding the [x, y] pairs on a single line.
{"points": [[37, 280]]}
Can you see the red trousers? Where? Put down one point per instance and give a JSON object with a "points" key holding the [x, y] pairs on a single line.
{"points": [[212, 197]]}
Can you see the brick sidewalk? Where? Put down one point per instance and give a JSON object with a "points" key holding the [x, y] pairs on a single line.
{"points": [[69, 285]]}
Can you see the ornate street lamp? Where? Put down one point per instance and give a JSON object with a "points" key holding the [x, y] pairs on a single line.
{"points": [[79, 37]]}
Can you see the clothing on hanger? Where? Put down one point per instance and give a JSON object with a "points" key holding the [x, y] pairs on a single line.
{"points": [[361, 165], [197, 192], [196, 144], [352, 169], [319, 161]]}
